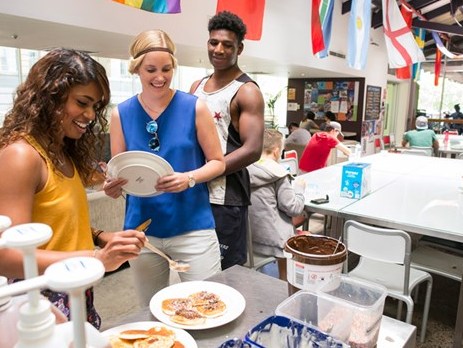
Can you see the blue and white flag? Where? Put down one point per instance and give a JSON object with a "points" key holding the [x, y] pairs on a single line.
{"points": [[359, 33]]}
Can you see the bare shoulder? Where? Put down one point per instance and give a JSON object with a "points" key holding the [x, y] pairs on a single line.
{"points": [[194, 86], [20, 155]]}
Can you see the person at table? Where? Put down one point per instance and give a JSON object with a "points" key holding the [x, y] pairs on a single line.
{"points": [[422, 136], [457, 115], [178, 127], [297, 135], [237, 106], [317, 151], [48, 148], [276, 204], [308, 122], [329, 117]]}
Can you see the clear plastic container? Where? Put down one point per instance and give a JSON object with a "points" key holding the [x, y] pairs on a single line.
{"points": [[348, 309]]}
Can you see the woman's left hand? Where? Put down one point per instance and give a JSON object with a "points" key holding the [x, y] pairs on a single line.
{"points": [[176, 182]]}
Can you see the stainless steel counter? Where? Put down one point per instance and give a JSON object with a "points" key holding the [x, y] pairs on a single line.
{"points": [[263, 294]]}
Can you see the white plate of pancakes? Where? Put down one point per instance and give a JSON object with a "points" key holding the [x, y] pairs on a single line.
{"points": [[140, 333], [197, 305], [142, 171]]}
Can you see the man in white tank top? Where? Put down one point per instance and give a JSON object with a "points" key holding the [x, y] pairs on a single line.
{"points": [[237, 106]]}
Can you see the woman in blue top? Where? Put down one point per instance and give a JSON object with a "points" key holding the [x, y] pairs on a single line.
{"points": [[178, 127]]}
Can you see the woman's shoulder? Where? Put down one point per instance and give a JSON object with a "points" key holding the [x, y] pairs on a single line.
{"points": [[185, 96], [20, 155]]}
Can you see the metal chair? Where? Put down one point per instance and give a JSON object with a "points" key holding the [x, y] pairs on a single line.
{"points": [[428, 149], [290, 164], [255, 261], [385, 259], [415, 152]]}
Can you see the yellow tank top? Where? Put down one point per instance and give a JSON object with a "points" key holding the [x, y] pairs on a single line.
{"points": [[62, 204]]}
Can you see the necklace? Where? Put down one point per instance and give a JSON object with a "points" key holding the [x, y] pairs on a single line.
{"points": [[160, 110]]}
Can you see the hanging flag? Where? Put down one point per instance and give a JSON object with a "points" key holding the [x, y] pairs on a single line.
{"points": [[442, 48], [250, 11], [318, 43], [402, 48], [326, 19], [437, 65], [404, 72], [359, 33], [156, 6], [419, 34]]}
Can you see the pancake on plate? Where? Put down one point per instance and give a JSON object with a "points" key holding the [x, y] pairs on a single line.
{"points": [[155, 337], [171, 305]]}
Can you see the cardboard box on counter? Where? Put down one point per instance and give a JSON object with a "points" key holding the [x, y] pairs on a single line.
{"points": [[356, 180]]}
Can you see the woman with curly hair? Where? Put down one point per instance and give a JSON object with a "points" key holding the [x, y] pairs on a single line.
{"points": [[47, 155]]}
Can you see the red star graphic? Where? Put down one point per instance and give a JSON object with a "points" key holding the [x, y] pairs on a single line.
{"points": [[217, 116]]}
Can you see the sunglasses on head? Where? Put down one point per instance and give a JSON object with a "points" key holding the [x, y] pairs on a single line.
{"points": [[152, 128]]}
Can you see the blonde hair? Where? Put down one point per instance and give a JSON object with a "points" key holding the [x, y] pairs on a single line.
{"points": [[272, 139], [149, 41]]}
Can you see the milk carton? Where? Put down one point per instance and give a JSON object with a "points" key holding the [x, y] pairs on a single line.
{"points": [[355, 180]]}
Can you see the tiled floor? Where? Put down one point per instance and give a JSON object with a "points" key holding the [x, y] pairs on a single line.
{"points": [[115, 298]]}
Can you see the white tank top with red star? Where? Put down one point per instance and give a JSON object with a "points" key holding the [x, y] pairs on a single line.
{"points": [[233, 189]]}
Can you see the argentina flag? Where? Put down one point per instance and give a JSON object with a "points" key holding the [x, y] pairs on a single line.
{"points": [[359, 33]]}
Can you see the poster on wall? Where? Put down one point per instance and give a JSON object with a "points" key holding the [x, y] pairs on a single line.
{"points": [[339, 97], [373, 103]]}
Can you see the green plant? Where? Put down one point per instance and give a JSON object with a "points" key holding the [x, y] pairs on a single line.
{"points": [[270, 103]]}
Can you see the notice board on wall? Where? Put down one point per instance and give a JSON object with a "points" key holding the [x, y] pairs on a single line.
{"points": [[342, 96], [373, 103]]}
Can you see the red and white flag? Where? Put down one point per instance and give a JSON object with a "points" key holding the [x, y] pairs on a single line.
{"points": [[402, 49]]}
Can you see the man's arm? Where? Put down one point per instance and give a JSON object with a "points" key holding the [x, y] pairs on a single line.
{"points": [[249, 106], [343, 148]]}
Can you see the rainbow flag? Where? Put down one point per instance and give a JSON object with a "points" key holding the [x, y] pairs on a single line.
{"points": [[156, 6]]}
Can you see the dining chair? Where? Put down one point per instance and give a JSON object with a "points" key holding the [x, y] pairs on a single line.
{"points": [[290, 164], [385, 259], [296, 147], [290, 154], [255, 261], [415, 152], [428, 149]]}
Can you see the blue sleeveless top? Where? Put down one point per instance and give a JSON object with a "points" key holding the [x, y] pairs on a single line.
{"points": [[172, 214]]}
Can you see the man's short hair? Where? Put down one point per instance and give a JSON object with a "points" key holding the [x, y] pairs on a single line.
{"points": [[228, 21]]}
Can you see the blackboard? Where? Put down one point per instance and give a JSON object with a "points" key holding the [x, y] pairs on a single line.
{"points": [[373, 103]]}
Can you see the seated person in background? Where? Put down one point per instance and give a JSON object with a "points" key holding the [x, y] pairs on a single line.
{"points": [[274, 201], [308, 121], [421, 136], [297, 135], [457, 115], [318, 149], [329, 117]]}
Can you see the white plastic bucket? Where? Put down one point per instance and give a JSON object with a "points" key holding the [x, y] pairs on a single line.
{"points": [[312, 261]]}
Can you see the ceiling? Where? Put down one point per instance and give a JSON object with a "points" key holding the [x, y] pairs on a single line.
{"points": [[442, 16], [29, 33]]}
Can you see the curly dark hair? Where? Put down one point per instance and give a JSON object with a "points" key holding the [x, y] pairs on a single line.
{"points": [[39, 104], [229, 21]]}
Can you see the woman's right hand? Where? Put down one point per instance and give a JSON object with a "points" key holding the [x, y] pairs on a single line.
{"points": [[113, 187], [121, 247]]}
